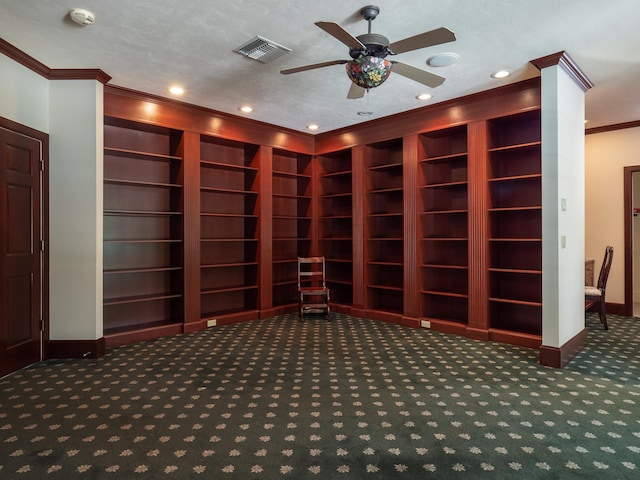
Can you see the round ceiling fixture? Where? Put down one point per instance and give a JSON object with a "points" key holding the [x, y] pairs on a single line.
{"points": [[81, 16], [369, 71], [501, 74], [443, 59]]}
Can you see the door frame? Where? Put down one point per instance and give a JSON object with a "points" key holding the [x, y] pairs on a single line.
{"points": [[43, 139], [628, 238]]}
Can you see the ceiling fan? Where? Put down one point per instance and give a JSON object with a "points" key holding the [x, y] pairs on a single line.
{"points": [[368, 67]]}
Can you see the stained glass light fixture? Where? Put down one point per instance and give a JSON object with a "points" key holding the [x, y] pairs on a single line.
{"points": [[368, 71]]}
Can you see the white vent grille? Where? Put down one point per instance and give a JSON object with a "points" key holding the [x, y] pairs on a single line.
{"points": [[262, 49]]}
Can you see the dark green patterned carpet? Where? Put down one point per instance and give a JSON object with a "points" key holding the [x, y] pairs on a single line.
{"points": [[350, 399]]}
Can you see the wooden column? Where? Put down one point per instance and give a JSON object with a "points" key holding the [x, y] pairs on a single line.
{"points": [[478, 323], [410, 221], [314, 211], [359, 219], [190, 151], [265, 213]]}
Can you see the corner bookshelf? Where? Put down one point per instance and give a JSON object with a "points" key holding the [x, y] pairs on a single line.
{"points": [[444, 266], [228, 229], [291, 238], [336, 225], [142, 230], [384, 230], [515, 223]]}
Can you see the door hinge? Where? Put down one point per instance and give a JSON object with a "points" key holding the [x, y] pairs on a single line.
{"points": [[42, 325], [42, 165], [42, 245]]}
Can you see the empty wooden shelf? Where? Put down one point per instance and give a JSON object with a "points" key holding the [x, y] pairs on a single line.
{"points": [[228, 229], [142, 252]]}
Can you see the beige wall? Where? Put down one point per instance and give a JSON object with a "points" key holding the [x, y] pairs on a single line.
{"points": [[606, 155], [71, 112]]}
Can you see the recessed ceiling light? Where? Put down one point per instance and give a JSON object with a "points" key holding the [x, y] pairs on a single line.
{"points": [[443, 59], [176, 90], [424, 96], [246, 109], [313, 126], [365, 113], [501, 74]]}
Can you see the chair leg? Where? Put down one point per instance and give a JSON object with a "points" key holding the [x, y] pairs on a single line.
{"points": [[603, 315], [328, 300], [301, 307]]}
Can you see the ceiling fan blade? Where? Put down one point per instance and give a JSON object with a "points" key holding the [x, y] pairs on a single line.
{"points": [[421, 76], [312, 67], [336, 31], [423, 40], [355, 91]]}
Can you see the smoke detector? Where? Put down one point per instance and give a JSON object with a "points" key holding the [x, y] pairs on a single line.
{"points": [[81, 16]]}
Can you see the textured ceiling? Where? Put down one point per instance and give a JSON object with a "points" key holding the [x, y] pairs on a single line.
{"points": [[147, 45]]}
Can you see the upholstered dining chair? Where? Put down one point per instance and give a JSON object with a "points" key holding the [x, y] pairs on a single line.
{"points": [[595, 295]]}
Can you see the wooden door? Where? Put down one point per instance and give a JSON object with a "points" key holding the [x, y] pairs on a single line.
{"points": [[20, 256]]}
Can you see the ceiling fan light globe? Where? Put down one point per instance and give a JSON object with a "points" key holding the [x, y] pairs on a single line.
{"points": [[368, 72]]}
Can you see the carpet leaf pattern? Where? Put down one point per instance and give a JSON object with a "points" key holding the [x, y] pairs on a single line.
{"points": [[351, 398]]}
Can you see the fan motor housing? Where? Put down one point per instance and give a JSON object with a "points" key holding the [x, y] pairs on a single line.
{"points": [[376, 46]]}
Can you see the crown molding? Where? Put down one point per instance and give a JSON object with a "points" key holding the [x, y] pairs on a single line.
{"points": [[41, 69], [23, 59], [79, 74], [611, 128], [564, 61]]}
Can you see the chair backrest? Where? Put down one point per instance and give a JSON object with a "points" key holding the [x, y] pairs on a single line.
{"points": [[604, 270], [311, 272]]}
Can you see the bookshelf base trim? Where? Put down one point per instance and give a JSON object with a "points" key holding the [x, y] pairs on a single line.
{"points": [[519, 339], [447, 326], [137, 335]]}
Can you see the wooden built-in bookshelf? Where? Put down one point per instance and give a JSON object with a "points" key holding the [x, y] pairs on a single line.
{"points": [[291, 223], [384, 229], [444, 225], [515, 223], [142, 231], [435, 220], [336, 225], [229, 228]]}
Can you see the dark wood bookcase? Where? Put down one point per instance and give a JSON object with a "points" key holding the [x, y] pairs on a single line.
{"points": [[142, 232], [292, 225], [384, 228], [435, 215], [515, 223], [444, 266], [228, 227], [336, 224]]}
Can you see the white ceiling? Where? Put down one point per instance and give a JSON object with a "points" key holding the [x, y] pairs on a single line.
{"points": [[148, 45]]}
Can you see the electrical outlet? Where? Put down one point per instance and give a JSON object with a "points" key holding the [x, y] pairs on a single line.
{"points": [[212, 322], [425, 324]]}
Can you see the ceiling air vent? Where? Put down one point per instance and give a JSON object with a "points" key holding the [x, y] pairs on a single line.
{"points": [[262, 49]]}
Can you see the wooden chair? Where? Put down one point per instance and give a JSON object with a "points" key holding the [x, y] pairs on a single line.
{"points": [[595, 295], [313, 294]]}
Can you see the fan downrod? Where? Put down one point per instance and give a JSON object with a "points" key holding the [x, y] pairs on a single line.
{"points": [[376, 44]]}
